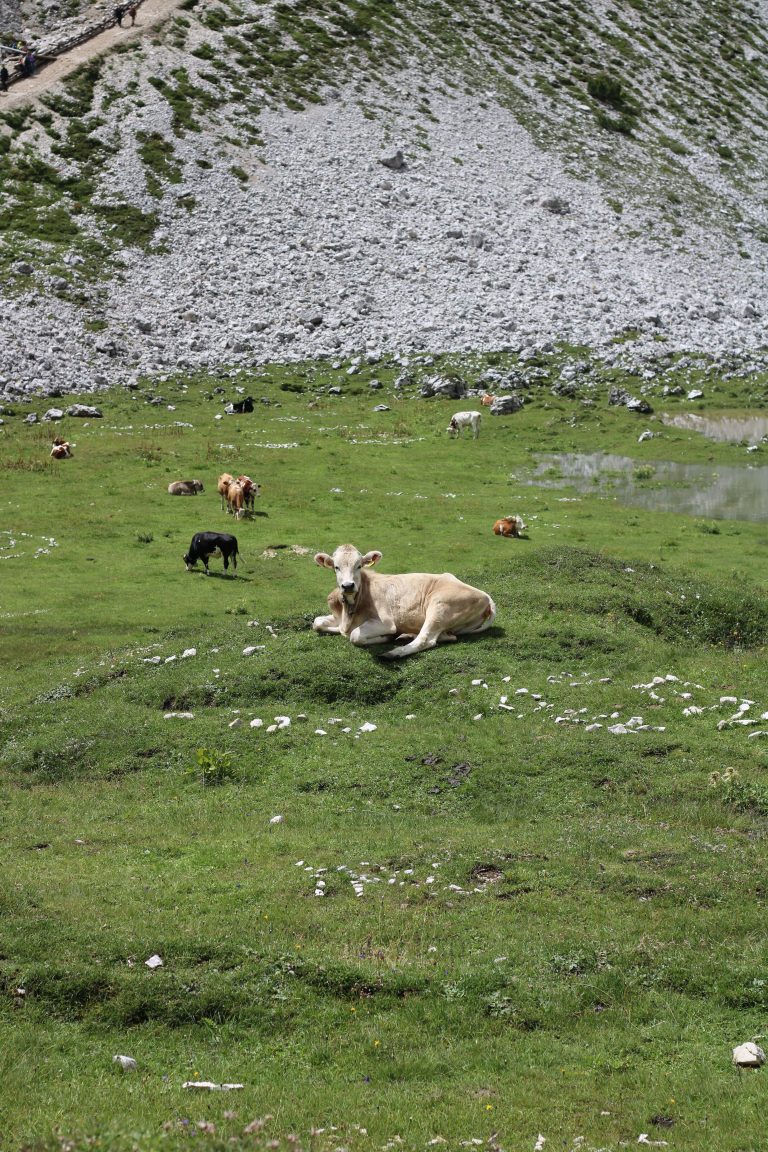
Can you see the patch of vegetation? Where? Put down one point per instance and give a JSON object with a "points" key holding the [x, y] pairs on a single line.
{"points": [[607, 89], [157, 155]]}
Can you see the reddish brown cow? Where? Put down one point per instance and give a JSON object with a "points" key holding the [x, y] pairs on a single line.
{"points": [[509, 526]]}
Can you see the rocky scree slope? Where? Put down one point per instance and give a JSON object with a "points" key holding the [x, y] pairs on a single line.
{"points": [[215, 195]]}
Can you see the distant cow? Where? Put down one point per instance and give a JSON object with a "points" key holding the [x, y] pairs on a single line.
{"points": [[462, 420], [509, 526], [486, 399], [185, 488], [222, 485], [250, 491], [237, 407], [372, 608], [236, 500], [61, 449], [207, 544]]}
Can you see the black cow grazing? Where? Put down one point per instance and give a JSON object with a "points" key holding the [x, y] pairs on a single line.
{"points": [[237, 407], [207, 544]]}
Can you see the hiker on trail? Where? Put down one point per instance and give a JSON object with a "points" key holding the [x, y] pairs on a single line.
{"points": [[3, 78], [131, 10], [119, 13]]}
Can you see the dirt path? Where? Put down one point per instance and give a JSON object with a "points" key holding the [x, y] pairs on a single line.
{"points": [[151, 13]]}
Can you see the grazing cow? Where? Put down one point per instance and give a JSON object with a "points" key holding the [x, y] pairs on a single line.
{"points": [[510, 526], [372, 608], [236, 500], [185, 488], [207, 544], [237, 407], [61, 449], [250, 491], [222, 487], [486, 399], [465, 420]]}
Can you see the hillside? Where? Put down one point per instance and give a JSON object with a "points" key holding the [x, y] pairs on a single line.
{"points": [[213, 195]]}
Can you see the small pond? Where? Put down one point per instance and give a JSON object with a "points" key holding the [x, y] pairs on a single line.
{"points": [[728, 429], [690, 489]]}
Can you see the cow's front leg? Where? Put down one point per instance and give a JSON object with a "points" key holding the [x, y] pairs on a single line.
{"points": [[431, 632], [327, 624], [371, 632]]}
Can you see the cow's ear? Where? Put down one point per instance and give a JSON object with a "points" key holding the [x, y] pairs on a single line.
{"points": [[370, 559], [323, 560]]}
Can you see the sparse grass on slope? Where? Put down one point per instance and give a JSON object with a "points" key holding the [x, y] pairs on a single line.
{"points": [[628, 95]]}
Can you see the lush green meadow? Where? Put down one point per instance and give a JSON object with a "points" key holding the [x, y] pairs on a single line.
{"points": [[487, 918]]}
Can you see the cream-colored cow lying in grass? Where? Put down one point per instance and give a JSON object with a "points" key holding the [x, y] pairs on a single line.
{"points": [[372, 608]]}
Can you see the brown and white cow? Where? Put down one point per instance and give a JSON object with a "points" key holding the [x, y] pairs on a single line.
{"points": [[509, 526], [425, 609], [61, 449], [250, 491]]}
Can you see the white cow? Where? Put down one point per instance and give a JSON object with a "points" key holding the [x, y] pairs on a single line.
{"points": [[465, 420], [372, 608]]}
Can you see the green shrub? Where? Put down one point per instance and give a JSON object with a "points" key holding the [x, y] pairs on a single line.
{"points": [[607, 89], [213, 767]]}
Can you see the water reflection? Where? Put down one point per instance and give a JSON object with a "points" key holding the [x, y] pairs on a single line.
{"points": [[730, 429], [690, 489]]}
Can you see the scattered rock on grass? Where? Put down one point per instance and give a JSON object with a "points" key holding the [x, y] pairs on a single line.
{"points": [[749, 1055]]}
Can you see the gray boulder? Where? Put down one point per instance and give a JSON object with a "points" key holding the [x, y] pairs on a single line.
{"points": [[556, 205], [505, 405], [84, 410], [638, 404], [395, 163], [53, 414], [451, 388], [618, 396]]}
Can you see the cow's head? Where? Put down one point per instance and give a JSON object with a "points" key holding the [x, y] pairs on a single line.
{"points": [[348, 564], [190, 563], [453, 427]]}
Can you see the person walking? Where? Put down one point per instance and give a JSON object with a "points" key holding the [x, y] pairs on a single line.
{"points": [[131, 11], [3, 77], [119, 13]]}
